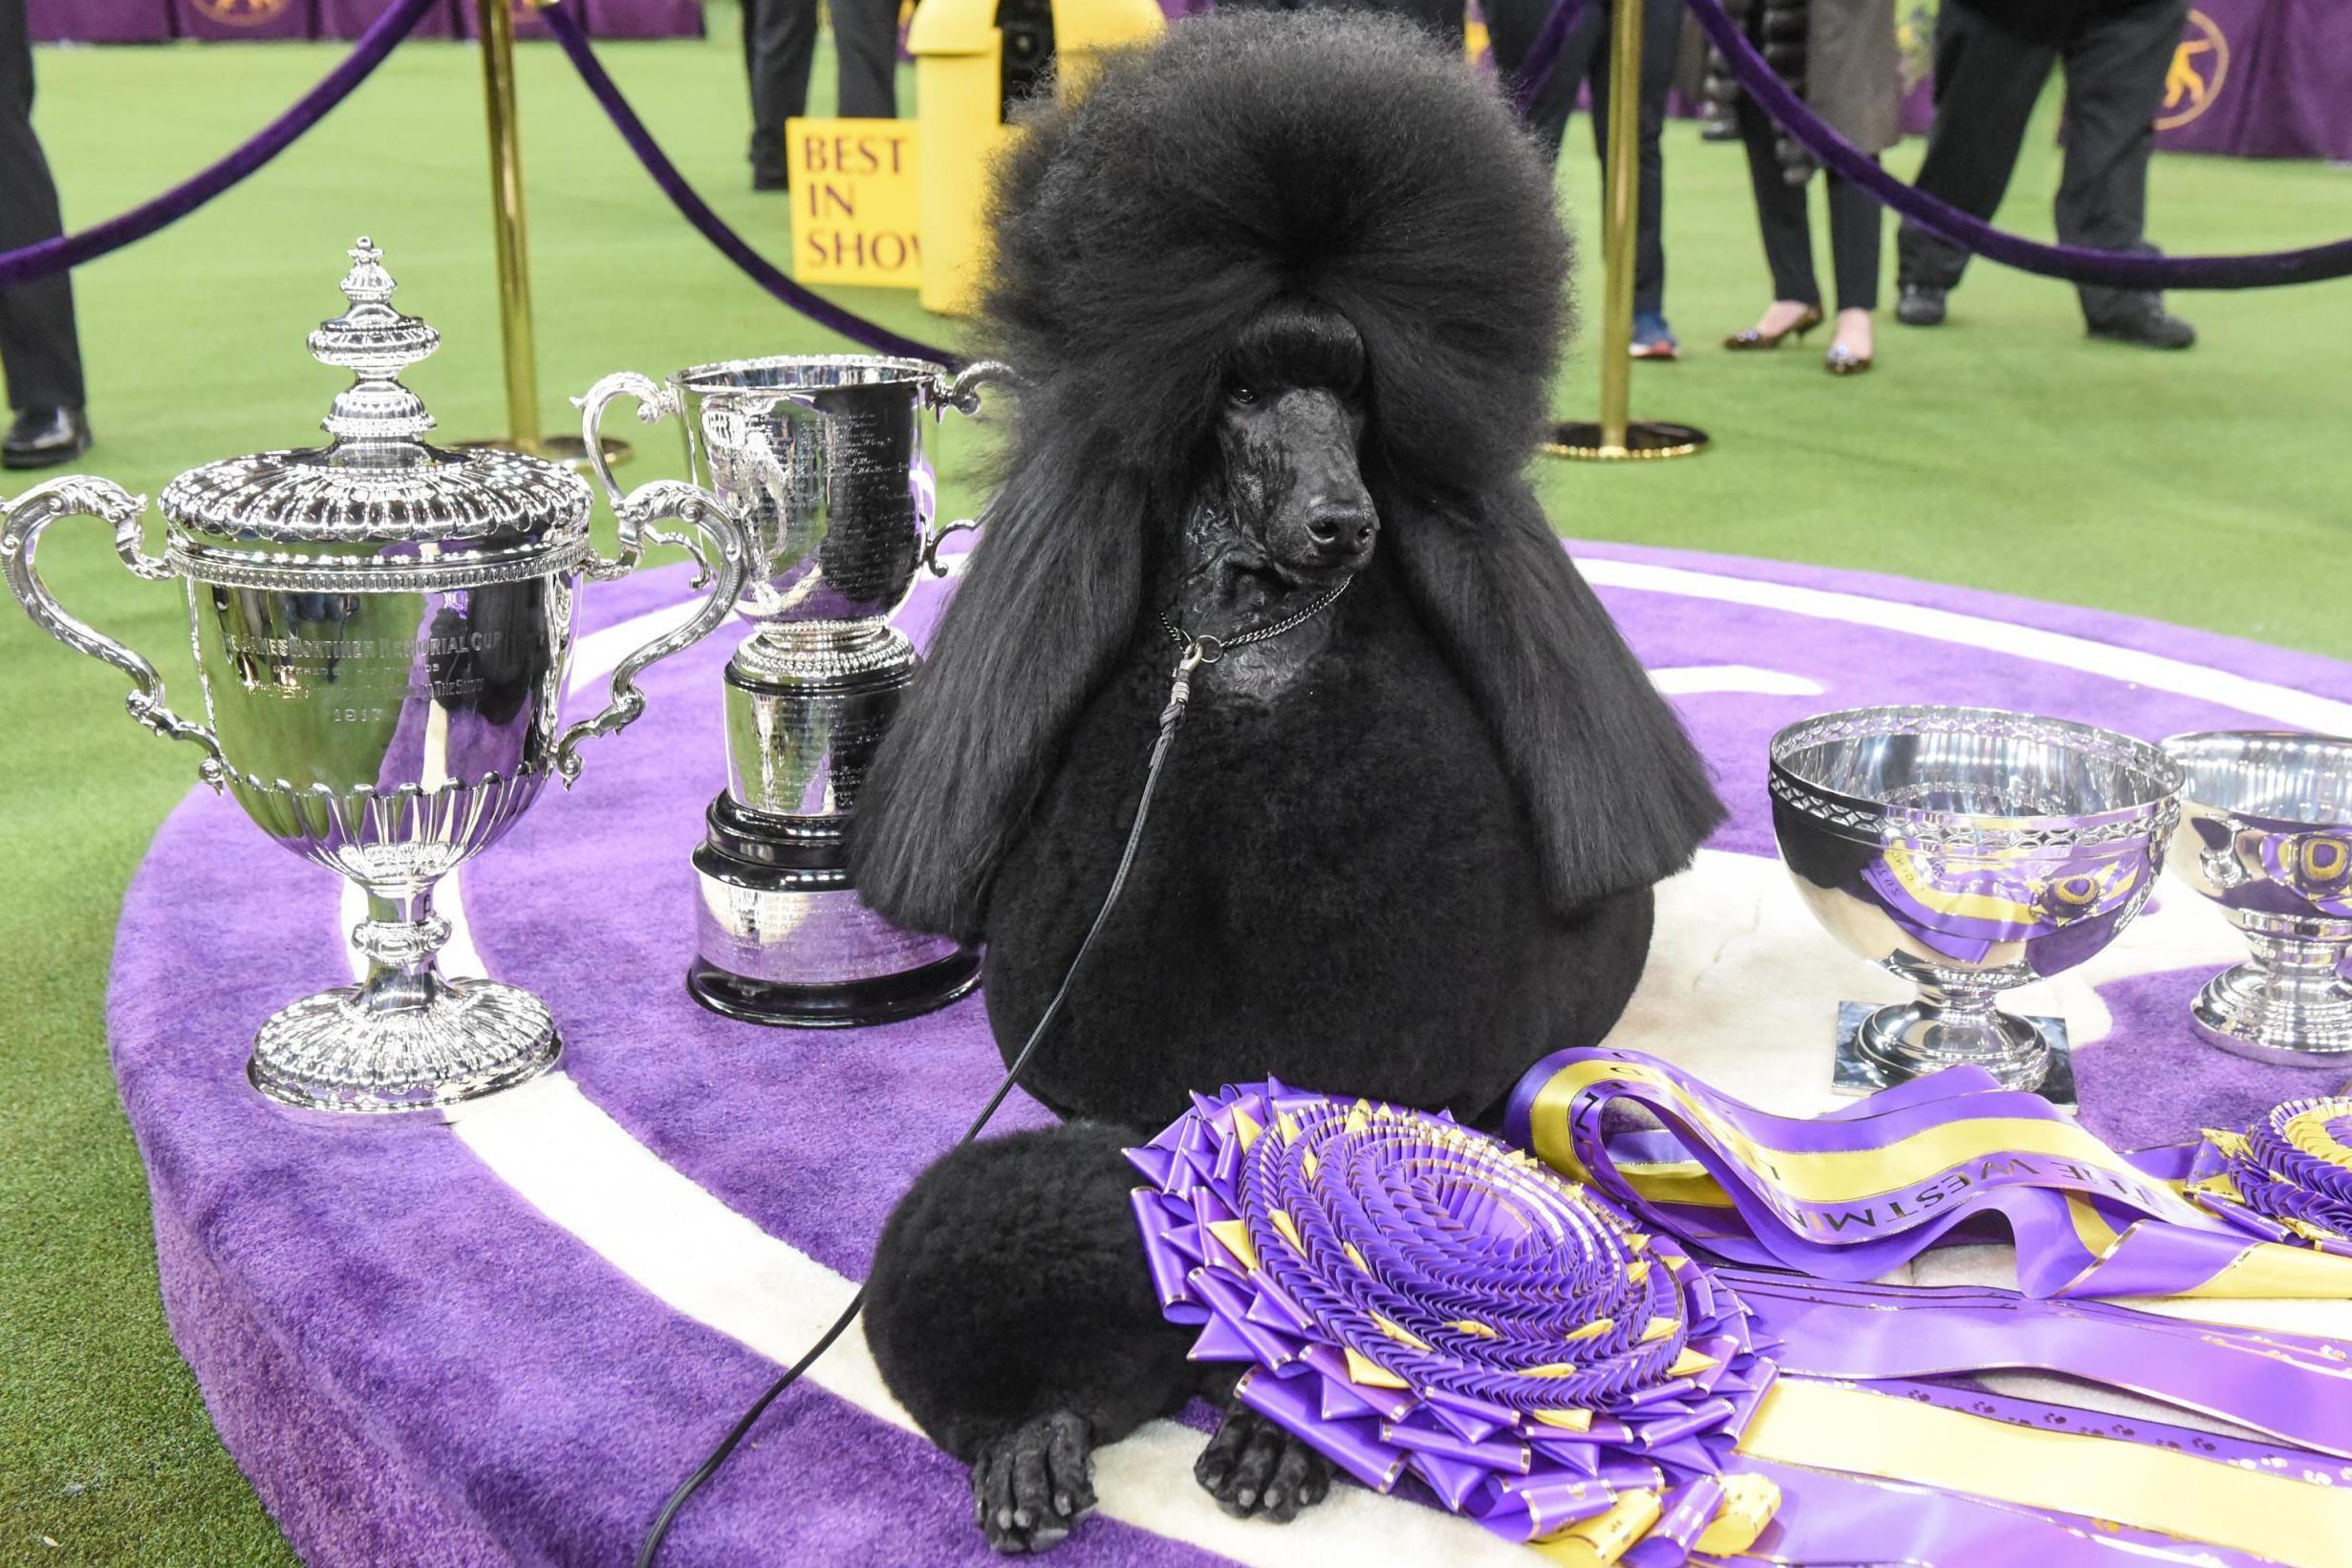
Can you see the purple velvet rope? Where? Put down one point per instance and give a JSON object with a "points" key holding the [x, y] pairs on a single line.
{"points": [[1535, 72], [731, 244], [2077, 264], [64, 250]]}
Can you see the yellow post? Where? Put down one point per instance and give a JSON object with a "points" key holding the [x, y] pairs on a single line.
{"points": [[959, 54], [515, 332], [508, 235], [1617, 437]]}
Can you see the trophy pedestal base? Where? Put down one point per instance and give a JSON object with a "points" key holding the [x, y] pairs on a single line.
{"points": [[2298, 1017], [884, 999], [332, 1056], [782, 939], [1862, 1070]]}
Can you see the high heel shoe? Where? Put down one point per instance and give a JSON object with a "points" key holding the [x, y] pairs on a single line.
{"points": [[1752, 337], [1842, 360]]}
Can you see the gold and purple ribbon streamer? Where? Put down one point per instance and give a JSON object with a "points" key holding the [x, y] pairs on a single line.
{"points": [[1856, 1194], [1447, 1318]]}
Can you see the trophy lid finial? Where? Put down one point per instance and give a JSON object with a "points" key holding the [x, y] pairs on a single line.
{"points": [[375, 343]]}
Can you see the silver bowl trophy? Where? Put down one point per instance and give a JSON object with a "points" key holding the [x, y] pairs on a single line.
{"points": [[824, 458], [1967, 851], [381, 629], [2266, 834]]}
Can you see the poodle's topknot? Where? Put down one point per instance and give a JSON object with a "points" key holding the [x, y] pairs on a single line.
{"points": [[1250, 157]]}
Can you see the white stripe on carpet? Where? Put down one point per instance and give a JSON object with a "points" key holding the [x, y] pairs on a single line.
{"points": [[2302, 709]]}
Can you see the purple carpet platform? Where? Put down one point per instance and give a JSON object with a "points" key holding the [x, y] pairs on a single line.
{"points": [[505, 1341]]}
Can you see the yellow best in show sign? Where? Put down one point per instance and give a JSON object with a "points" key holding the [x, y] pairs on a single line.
{"points": [[856, 217]]}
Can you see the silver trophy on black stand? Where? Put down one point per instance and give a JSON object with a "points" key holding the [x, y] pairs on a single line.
{"points": [[824, 458]]}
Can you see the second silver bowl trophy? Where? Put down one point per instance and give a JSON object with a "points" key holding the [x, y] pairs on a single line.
{"points": [[824, 458], [1967, 851], [2266, 834]]}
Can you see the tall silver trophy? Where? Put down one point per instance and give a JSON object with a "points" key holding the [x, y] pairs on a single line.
{"points": [[381, 630], [825, 459]]}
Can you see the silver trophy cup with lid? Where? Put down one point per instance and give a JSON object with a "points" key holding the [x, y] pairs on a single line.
{"points": [[381, 630], [825, 459]]}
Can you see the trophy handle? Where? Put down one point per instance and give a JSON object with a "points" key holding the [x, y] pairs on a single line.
{"points": [[697, 508], [962, 395], [655, 402], [20, 531]]}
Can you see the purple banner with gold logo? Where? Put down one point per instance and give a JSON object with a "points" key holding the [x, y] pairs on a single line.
{"points": [[350, 18], [98, 21], [242, 19], [644, 18], [2252, 78]]}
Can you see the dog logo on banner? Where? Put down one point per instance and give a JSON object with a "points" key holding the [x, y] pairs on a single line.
{"points": [[2200, 65], [243, 13]]}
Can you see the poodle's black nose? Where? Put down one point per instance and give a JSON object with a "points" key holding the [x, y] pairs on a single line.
{"points": [[1340, 531]]}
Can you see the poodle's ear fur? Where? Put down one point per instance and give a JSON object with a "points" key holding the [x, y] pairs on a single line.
{"points": [[1045, 605], [1613, 788]]}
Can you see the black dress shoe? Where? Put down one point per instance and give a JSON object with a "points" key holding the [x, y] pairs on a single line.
{"points": [[2147, 324], [42, 437], [1921, 305], [771, 179]]}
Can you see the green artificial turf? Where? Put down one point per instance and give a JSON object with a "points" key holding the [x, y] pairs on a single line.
{"points": [[2004, 451]]}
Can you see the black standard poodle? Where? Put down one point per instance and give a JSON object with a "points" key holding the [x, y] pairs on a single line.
{"points": [[1284, 292]]}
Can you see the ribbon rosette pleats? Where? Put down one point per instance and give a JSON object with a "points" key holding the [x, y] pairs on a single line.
{"points": [[1428, 1306], [2287, 1178]]}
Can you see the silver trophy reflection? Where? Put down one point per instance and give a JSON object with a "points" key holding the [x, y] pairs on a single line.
{"points": [[825, 459], [381, 629], [1967, 851]]}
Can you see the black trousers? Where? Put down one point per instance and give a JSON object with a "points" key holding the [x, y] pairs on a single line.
{"points": [[39, 354], [2115, 54], [779, 40], [1512, 28], [1788, 232]]}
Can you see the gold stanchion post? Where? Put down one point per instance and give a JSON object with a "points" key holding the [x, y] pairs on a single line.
{"points": [[510, 235], [1616, 436]]}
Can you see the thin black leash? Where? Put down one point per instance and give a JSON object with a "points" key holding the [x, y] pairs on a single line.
{"points": [[1198, 650]]}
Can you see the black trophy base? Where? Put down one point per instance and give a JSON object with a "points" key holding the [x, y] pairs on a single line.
{"points": [[885, 999], [777, 903]]}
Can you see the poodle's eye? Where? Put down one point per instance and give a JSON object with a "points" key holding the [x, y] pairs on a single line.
{"points": [[1241, 392]]}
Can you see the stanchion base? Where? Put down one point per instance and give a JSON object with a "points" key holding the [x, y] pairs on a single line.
{"points": [[1645, 439], [564, 451]]}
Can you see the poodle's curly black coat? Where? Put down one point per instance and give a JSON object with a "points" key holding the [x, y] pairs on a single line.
{"points": [[1408, 876]]}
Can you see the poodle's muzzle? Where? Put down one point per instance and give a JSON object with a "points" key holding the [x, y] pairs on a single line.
{"points": [[1298, 488]]}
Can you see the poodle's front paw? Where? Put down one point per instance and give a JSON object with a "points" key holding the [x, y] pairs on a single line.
{"points": [[1254, 1467], [1032, 1484]]}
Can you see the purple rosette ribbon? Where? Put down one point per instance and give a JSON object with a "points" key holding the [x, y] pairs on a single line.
{"points": [[1438, 1312], [1448, 1317], [2287, 1178]]}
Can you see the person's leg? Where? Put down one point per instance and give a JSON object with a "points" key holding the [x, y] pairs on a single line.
{"points": [[779, 42], [866, 42], [1986, 80], [1512, 29], [1853, 244], [2116, 64], [1853, 254], [40, 354], [1782, 219]]}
